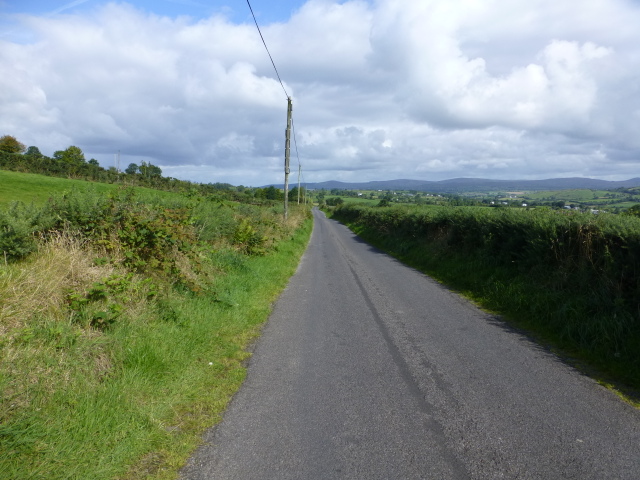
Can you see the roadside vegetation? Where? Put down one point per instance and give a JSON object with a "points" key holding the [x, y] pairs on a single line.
{"points": [[573, 279], [125, 319]]}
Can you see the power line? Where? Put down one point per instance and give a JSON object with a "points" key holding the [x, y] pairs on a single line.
{"points": [[290, 120], [295, 143], [265, 46]]}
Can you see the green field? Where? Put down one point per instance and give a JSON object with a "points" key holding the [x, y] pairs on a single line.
{"points": [[614, 201], [600, 198], [37, 189], [33, 188]]}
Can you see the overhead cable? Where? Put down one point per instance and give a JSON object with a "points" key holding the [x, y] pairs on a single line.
{"points": [[268, 53], [295, 143]]}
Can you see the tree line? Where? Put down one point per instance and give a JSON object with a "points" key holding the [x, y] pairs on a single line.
{"points": [[71, 163]]}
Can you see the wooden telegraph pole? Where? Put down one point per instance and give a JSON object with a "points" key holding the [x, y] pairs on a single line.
{"points": [[287, 145], [299, 168]]}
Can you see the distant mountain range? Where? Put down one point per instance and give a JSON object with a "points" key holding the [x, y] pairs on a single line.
{"points": [[461, 185]]}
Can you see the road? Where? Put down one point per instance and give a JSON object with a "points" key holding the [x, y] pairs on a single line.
{"points": [[368, 369]]}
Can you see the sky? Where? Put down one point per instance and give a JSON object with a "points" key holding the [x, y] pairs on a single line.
{"points": [[381, 89]]}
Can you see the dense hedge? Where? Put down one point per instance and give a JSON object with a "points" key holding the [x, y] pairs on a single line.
{"points": [[575, 275]]}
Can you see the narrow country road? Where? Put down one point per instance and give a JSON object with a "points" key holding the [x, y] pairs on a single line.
{"points": [[368, 369]]}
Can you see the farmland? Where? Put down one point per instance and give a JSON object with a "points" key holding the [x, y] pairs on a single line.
{"points": [[612, 201], [32, 188]]}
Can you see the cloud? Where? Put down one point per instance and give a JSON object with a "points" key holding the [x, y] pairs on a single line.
{"points": [[445, 86], [67, 6], [382, 89]]}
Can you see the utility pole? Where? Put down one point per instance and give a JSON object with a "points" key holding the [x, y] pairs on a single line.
{"points": [[287, 145], [299, 167]]}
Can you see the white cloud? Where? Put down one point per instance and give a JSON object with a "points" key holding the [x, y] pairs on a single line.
{"points": [[444, 85], [394, 88]]}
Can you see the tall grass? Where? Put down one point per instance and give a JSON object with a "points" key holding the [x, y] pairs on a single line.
{"points": [[114, 359], [573, 278]]}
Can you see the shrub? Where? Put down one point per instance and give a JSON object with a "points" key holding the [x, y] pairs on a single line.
{"points": [[18, 228]]}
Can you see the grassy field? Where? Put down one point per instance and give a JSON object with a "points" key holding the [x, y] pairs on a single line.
{"points": [[609, 200], [603, 199], [125, 334], [32, 188], [28, 187]]}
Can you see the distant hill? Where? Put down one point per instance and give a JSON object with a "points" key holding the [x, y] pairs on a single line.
{"points": [[461, 185]]}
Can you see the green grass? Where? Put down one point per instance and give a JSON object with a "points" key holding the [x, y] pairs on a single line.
{"points": [[134, 401], [33, 188], [131, 398]]}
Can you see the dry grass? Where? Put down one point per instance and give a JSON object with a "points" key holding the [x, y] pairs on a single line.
{"points": [[33, 317], [36, 287]]}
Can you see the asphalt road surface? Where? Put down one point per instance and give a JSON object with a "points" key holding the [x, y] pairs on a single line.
{"points": [[368, 369]]}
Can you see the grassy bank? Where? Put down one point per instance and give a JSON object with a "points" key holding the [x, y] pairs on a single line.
{"points": [[571, 279], [124, 333]]}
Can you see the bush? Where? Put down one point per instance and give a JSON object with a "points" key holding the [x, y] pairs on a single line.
{"points": [[18, 228]]}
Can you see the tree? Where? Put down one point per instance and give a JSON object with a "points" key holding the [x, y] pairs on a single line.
{"points": [[132, 169], [148, 170], [94, 170], [72, 159], [293, 194], [335, 201], [10, 144], [221, 186], [33, 152], [273, 193], [72, 155], [634, 210]]}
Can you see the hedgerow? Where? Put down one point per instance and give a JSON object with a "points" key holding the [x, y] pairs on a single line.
{"points": [[574, 276]]}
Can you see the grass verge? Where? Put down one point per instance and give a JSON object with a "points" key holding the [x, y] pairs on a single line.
{"points": [[130, 399]]}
